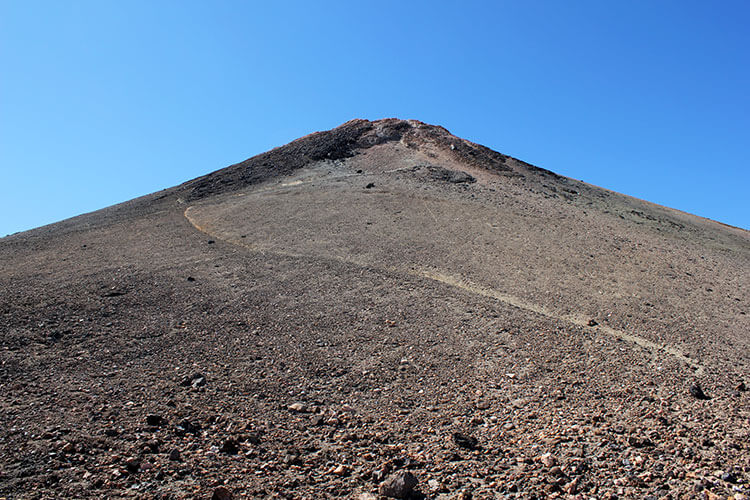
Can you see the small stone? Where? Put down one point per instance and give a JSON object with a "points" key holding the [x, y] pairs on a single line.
{"points": [[548, 460], [556, 471], [463, 495], [152, 446], [68, 448], [741, 387], [593, 322], [572, 487], [221, 493], [399, 485], [175, 456], [697, 391], [465, 441], [187, 427], [230, 447], [729, 477], [154, 420], [252, 438], [132, 464], [370, 185], [194, 380], [298, 408], [341, 470]]}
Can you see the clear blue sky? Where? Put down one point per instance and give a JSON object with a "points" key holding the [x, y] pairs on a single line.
{"points": [[102, 101]]}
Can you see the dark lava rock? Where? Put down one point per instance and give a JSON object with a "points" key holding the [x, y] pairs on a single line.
{"points": [[230, 447], [593, 322], [221, 493], [370, 186], [252, 438], [399, 485], [729, 477], [132, 464], [452, 176], [154, 420], [151, 446], [697, 392], [464, 441], [190, 278], [175, 456], [187, 427]]}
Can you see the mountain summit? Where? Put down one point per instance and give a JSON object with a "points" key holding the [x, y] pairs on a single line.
{"points": [[378, 309]]}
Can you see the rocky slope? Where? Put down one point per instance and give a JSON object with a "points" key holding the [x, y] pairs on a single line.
{"points": [[382, 308]]}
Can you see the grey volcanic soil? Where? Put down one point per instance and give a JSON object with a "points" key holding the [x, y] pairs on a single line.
{"points": [[379, 298]]}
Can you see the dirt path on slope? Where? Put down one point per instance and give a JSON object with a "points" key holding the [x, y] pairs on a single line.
{"points": [[465, 285]]}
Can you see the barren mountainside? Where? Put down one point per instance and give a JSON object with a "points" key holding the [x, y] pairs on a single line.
{"points": [[382, 309]]}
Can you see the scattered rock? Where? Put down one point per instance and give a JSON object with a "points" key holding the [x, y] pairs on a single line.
{"points": [[230, 447], [399, 485], [151, 446], [175, 456], [221, 493], [132, 465], [187, 427], [194, 380], [452, 176], [741, 387], [572, 487], [639, 442], [548, 460], [298, 408], [697, 391], [465, 441], [252, 438], [593, 322], [154, 420], [729, 477], [463, 495], [370, 185], [341, 470]]}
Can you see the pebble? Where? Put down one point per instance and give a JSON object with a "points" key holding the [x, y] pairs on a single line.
{"points": [[465, 441], [399, 485], [154, 420], [221, 493], [195, 380], [230, 447], [341, 470], [697, 391], [548, 460], [298, 408]]}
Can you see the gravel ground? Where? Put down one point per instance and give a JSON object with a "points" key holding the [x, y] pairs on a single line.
{"points": [[380, 309]]}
